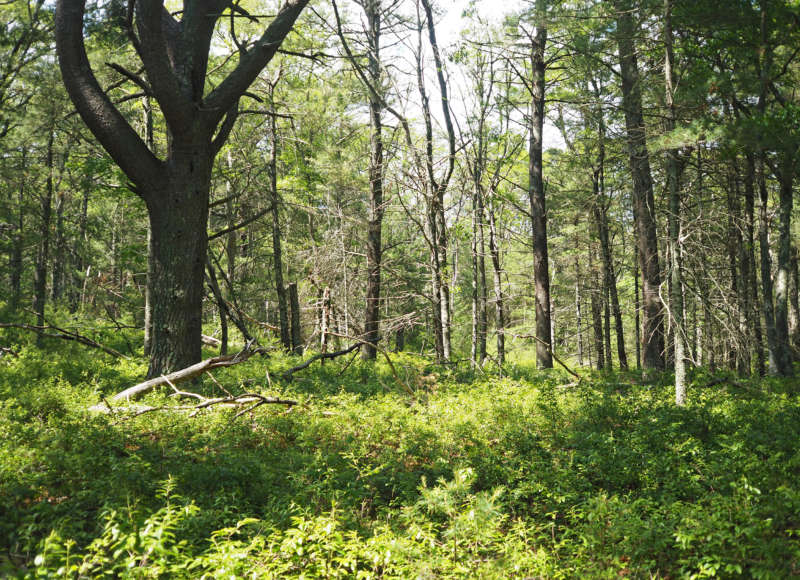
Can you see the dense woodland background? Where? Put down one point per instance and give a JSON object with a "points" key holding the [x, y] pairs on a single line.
{"points": [[343, 178], [591, 186]]}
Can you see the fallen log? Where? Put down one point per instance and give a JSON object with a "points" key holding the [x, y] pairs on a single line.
{"points": [[188, 373]]}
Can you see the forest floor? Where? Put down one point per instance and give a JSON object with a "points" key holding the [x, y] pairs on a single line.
{"points": [[429, 473]]}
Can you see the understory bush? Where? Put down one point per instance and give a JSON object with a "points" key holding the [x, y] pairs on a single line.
{"points": [[474, 476]]}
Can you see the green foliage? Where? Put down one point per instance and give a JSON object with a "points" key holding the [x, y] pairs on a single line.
{"points": [[473, 477]]}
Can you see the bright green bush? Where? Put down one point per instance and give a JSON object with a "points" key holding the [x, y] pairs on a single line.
{"points": [[473, 477]]}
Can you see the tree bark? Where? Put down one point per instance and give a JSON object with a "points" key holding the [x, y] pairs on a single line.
{"points": [[643, 199], [497, 279], [675, 223], [277, 253], [372, 9], [541, 273], [754, 317], [782, 275], [294, 300], [18, 244], [43, 253]]}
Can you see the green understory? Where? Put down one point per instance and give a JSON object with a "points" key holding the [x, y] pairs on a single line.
{"points": [[474, 476]]}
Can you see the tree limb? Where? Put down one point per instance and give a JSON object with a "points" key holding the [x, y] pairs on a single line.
{"points": [[188, 373], [63, 334]]}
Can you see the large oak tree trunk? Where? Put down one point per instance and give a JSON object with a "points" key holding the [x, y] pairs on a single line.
{"points": [[174, 52], [179, 248]]}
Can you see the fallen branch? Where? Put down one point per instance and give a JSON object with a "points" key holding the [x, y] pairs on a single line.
{"points": [[188, 373], [64, 335], [249, 401], [287, 376]]}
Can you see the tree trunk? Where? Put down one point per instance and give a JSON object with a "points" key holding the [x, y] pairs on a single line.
{"points": [[597, 318], [479, 316], [754, 317], [60, 256], [43, 254], [675, 224], [497, 279], [376, 210], [175, 56], [277, 255], [782, 275], [767, 305], [643, 199], [18, 244], [794, 301], [179, 246], [578, 318], [294, 300], [637, 308], [740, 283], [541, 273]]}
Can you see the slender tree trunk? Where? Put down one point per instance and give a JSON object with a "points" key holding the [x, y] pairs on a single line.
{"points": [[782, 275], [16, 252], [740, 283], [675, 223], [294, 300], [497, 279], [438, 187], [637, 308], [643, 199], [59, 257], [597, 318], [541, 273], [374, 248], [479, 298], [794, 301], [277, 255], [578, 318], [43, 254], [754, 317], [325, 319], [767, 305]]}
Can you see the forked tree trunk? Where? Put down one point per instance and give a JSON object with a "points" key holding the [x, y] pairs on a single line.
{"points": [[174, 55]]}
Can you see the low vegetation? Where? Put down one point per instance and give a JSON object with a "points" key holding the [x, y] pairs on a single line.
{"points": [[475, 475]]}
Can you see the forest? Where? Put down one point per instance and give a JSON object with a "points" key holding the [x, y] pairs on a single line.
{"points": [[399, 289]]}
